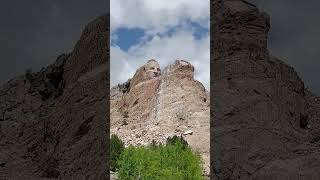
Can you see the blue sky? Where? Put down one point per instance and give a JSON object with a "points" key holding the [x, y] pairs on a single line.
{"points": [[160, 29], [127, 37]]}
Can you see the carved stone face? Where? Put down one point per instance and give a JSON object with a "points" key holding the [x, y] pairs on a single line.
{"points": [[152, 69]]}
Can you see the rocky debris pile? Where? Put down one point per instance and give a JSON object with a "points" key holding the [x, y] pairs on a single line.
{"points": [[260, 128], [156, 105], [53, 122]]}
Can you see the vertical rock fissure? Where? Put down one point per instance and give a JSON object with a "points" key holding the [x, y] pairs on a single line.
{"points": [[155, 113]]}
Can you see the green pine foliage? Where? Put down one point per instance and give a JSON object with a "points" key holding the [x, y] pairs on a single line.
{"points": [[116, 148], [173, 161], [175, 139]]}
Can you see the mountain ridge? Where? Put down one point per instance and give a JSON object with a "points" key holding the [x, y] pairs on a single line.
{"points": [[262, 113], [43, 135]]}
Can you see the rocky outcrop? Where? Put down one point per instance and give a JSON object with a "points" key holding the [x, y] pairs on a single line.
{"points": [[53, 122], [261, 126], [156, 105]]}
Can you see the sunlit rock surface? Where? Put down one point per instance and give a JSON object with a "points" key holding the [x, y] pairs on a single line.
{"points": [[170, 103]]}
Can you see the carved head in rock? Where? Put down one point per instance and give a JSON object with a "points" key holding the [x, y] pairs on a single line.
{"points": [[152, 69], [148, 71]]}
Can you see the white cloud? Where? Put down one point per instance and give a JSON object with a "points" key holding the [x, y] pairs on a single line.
{"points": [[158, 16]]}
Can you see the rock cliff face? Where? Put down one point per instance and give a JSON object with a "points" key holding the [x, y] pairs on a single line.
{"points": [[265, 125], [154, 105], [53, 123]]}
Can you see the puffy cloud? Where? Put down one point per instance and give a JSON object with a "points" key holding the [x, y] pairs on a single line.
{"points": [[157, 15]]}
